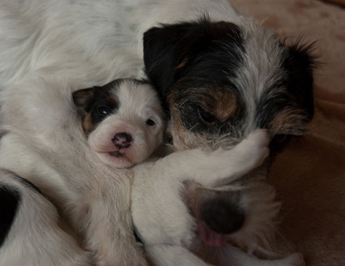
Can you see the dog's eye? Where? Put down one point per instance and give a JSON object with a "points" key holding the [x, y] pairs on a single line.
{"points": [[206, 116], [150, 122], [104, 110]]}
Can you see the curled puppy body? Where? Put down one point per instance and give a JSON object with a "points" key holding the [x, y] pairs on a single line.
{"points": [[30, 232], [162, 190], [91, 192]]}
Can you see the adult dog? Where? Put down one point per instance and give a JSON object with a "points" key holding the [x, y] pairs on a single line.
{"points": [[220, 75]]}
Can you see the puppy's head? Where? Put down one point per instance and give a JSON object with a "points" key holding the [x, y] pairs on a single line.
{"points": [[220, 81], [123, 121]]}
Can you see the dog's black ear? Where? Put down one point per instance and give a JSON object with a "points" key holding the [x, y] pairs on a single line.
{"points": [[161, 55], [299, 64], [81, 99], [173, 51]]}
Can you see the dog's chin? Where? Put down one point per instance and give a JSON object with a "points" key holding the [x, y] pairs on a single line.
{"points": [[210, 237], [116, 159]]}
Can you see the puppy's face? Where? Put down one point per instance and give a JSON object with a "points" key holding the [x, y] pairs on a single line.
{"points": [[220, 81], [122, 121]]}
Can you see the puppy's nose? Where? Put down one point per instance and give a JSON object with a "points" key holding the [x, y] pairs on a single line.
{"points": [[122, 140], [222, 217]]}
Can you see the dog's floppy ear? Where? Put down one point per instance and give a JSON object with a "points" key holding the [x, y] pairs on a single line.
{"points": [[81, 99], [172, 51], [161, 55], [299, 64]]}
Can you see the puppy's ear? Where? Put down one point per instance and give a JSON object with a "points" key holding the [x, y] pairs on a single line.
{"points": [[173, 51], [299, 64], [161, 55], [81, 99]]}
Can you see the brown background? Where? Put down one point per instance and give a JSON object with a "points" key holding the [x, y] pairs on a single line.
{"points": [[310, 174]]}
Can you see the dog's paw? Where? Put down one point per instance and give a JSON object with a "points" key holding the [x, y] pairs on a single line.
{"points": [[255, 147], [259, 138]]}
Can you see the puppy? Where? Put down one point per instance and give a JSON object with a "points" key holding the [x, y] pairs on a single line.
{"points": [[87, 186], [221, 77], [162, 189], [30, 232], [122, 120]]}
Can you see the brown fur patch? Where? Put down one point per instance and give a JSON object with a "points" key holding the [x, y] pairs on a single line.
{"points": [[88, 126], [221, 104], [182, 64], [226, 105], [177, 129], [288, 123]]}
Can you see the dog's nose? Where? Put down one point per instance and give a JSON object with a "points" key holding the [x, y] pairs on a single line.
{"points": [[222, 217], [122, 140]]}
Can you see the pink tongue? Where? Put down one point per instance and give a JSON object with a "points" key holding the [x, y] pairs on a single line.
{"points": [[210, 237]]}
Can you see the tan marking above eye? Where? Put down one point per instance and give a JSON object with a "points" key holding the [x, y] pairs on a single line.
{"points": [[226, 106], [88, 126], [221, 104], [182, 64]]}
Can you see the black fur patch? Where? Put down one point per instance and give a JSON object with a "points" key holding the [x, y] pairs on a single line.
{"points": [[201, 48], [9, 203], [27, 183], [220, 210], [101, 98], [299, 64]]}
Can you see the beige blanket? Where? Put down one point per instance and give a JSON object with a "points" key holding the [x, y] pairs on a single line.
{"points": [[310, 174]]}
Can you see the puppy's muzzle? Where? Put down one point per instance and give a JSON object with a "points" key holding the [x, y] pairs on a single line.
{"points": [[222, 217], [122, 140], [220, 210]]}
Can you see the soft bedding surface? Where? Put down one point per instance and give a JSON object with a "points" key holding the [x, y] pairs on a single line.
{"points": [[310, 174]]}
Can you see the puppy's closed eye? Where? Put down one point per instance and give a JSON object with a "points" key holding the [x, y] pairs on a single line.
{"points": [[206, 116]]}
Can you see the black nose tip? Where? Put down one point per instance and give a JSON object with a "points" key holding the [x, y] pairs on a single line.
{"points": [[223, 218], [122, 140]]}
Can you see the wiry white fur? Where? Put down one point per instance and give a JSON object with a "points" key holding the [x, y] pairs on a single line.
{"points": [[260, 71], [104, 35]]}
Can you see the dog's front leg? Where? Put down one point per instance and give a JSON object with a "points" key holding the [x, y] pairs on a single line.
{"points": [[104, 214], [169, 255], [219, 167]]}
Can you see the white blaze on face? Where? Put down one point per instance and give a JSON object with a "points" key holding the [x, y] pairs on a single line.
{"points": [[139, 116]]}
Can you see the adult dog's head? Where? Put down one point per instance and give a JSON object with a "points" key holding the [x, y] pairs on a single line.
{"points": [[219, 81]]}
